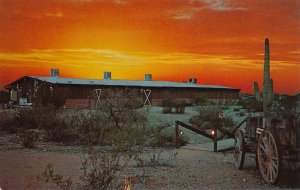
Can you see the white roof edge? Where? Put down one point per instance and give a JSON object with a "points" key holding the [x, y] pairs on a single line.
{"points": [[117, 82]]}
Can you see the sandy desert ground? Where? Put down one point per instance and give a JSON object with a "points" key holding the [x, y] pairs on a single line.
{"points": [[182, 168]]}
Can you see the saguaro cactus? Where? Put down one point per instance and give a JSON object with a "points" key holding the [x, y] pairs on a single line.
{"points": [[267, 94]]}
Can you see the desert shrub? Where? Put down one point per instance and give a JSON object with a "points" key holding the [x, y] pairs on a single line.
{"points": [[155, 158], [122, 108], [7, 122], [163, 135], [116, 118], [89, 127], [285, 107], [49, 176], [29, 137], [27, 118], [179, 106], [37, 117], [101, 170], [61, 131], [252, 105], [47, 118], [169, 104], [211, 117]]}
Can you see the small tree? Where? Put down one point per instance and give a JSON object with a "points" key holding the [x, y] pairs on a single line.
{"points": [[170, 103]]}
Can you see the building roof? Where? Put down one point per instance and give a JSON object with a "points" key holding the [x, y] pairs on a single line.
{"points": [[127, 83]]}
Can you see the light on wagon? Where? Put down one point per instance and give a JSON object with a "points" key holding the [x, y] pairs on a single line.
{"points": [[212, 132], [181, 132]]}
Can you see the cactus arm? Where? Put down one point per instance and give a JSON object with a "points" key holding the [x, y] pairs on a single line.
{"points": [[257, 93]]}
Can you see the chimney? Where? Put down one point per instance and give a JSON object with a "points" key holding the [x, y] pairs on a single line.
{"points": [[107, 75], [148, 77], [54, 72], [192, 80]]}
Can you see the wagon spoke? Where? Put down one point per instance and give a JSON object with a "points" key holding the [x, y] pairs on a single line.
{"points": [[265, 143], [275, 159], [265, 166], [263, 148], [274, 166], [268, 172], [270, 142], [272, 173]]}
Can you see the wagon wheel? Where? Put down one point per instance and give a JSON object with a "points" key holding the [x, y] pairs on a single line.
{"points": [[239, 149], [268, 156]]}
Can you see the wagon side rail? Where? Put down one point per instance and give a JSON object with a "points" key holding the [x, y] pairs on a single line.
{"points": [[192, 128]]}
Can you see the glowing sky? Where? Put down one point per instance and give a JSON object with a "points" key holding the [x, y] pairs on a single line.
{"points": [[217, 41]]}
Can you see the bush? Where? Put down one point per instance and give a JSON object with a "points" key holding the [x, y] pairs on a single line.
{"points": [[47, 118], [7, 122], [29, 137], [101, 170], [211, 117], [48, 175], [169, 104], [155, 159], [163, 135], [116, 118], [252, 105], [27, 118], [285, 107], [180, 106]]}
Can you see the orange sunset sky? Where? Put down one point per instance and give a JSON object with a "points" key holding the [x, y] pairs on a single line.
{"points": [[217, 41]]}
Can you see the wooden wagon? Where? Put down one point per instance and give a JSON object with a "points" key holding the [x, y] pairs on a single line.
{"points": [[274, 147]]}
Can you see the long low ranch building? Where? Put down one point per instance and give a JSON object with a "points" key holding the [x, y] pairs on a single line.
{"points": [[76, 92]]}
